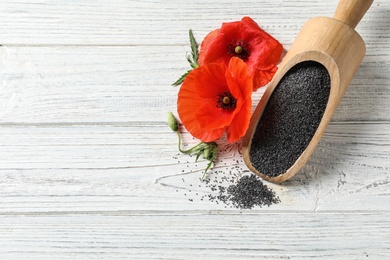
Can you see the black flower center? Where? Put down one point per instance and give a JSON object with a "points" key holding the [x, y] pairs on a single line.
{"points": [[239, 49], [226, 101]]}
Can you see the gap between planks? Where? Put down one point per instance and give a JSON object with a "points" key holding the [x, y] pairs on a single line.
{"points": [[196, 212]]}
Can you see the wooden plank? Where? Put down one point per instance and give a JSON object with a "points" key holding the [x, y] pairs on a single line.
{"points": [[137, 167], [121, 22], [153, 22], [121, 84], [196, 235], [91, 84]]}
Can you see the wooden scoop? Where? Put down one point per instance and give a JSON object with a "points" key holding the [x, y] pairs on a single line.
{"points": [[331, 42]]}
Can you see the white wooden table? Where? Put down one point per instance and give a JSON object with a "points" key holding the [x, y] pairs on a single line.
{"points": [[90, 169]]}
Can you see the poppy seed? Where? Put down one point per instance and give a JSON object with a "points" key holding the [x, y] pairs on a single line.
{"points": [[290, 118]]}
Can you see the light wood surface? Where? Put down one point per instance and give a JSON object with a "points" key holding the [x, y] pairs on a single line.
{"points": [[89, 168]]}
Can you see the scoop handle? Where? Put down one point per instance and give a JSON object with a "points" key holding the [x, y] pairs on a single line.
{"points": [[351, 11]]}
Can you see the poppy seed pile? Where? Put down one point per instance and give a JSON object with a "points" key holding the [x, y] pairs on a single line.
{"points": [[245, 192], [249, 192], [290, 118]]}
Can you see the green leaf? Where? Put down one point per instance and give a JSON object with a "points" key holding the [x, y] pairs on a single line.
{"points": [[192, 59], [193, 64], [198, 155], [181, 79], [194, 49]]}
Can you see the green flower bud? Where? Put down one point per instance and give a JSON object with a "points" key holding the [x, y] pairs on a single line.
{"points": [[172, 122], [207, 153]]}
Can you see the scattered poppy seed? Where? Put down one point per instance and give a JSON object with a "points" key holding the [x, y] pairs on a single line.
{"points": [[290, 118], [232, 187]]}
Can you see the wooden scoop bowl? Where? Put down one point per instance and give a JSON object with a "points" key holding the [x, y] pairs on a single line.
{"points": [[335, 44]]}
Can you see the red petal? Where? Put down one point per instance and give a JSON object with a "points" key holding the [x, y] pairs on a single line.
{"points": [[240, 77], [216, 51], [215, 45], [205, 45], [197, 102], [263, 77], [210, 116], [209, 80], [239, 72], [188, 102], [208, 135], [198, 96], [240, 122], [265, 50]]}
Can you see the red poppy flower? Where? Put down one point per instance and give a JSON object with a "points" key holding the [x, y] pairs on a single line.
{"points": [[214, 99], [246, 40]]}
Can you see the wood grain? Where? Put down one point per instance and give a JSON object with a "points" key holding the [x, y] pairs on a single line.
{"points": [[200, 234], [109, 84], [80, 167], [90, 169]]}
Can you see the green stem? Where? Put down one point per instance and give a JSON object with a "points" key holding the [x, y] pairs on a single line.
{"points": [[208, 167], [200, 148], [189, 150]]}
